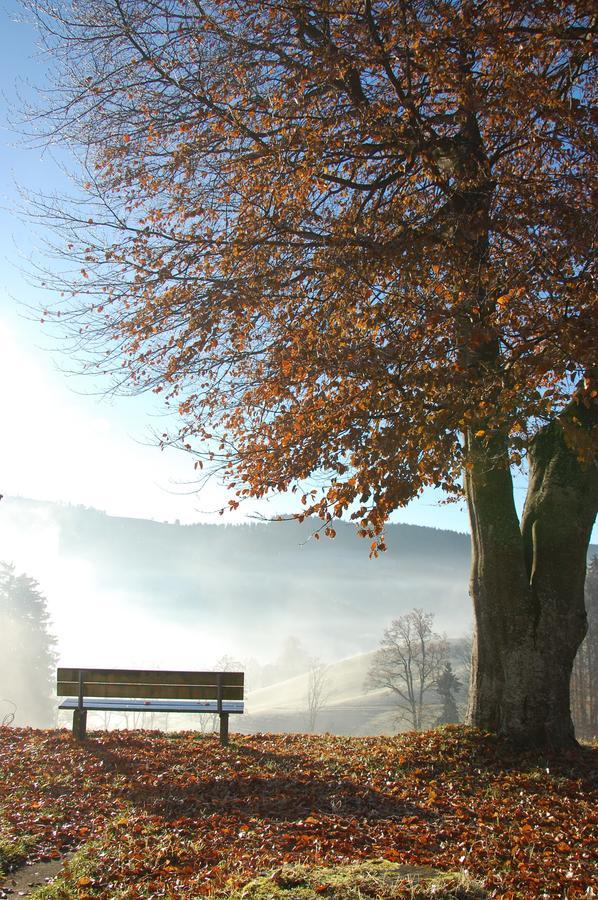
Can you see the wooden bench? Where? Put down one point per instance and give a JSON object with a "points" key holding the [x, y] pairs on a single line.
{"points": [[133, 690]]}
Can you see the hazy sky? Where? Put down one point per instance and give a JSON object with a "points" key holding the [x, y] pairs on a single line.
{"points": [[61, 442]]}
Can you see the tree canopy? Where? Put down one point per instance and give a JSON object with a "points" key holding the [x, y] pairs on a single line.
{"points": [[335, 235]]}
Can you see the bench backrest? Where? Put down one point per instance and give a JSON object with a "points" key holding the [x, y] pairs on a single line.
{"points": [[138, 684]]}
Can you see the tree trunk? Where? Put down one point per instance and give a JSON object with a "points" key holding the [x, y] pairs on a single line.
{"points": [[527, 583]]}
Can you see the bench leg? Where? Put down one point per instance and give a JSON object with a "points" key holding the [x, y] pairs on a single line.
{"points": [[79, 724], [224, 729]]}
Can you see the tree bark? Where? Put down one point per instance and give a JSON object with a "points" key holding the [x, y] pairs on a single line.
{"points": [[527, 582]]}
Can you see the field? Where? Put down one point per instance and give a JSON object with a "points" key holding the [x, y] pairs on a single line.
{"points": [[177, 815]]}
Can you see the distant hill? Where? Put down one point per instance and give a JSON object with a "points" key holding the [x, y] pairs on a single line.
{"points": [[131, 591]]}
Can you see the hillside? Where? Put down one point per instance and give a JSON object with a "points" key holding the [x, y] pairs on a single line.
{"points": [[177, 815], [347, 708]]}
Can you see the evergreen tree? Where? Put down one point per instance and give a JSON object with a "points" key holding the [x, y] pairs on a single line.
{"points": [[447, 686], [27, 656]]}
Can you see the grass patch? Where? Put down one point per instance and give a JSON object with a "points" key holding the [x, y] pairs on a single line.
{"points": [[14, 850], [75, 880], [372, 878]]}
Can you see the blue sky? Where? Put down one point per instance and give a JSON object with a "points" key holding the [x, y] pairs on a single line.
{"points": [[61, 441]]}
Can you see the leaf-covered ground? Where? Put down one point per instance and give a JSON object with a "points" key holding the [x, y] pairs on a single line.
{"points": [[177, 815]]}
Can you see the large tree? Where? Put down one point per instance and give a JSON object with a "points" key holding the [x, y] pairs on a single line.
{"points": [[352, 240]]}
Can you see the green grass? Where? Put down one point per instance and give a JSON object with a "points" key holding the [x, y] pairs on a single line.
{"points": [[377, 879], [13, 850], [75, 879], [369, 879]]}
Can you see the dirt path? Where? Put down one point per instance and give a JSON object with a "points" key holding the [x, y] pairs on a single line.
{"points": [[22, 882]]}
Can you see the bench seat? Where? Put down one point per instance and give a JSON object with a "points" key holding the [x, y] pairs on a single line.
{"points": [[163, 706], [144, 690]]}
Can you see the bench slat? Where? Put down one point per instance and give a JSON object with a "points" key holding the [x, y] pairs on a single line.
{"points": [[155, 691], [208, 706], [137, 676]]}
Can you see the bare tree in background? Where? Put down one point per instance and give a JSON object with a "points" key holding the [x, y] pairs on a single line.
{"points": [[584, 678], [462, 651], [408, 663], [317, 693], [226, 663]]}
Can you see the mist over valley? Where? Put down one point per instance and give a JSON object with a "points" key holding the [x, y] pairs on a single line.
{"points": [[267, 597], [132, 591]]}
